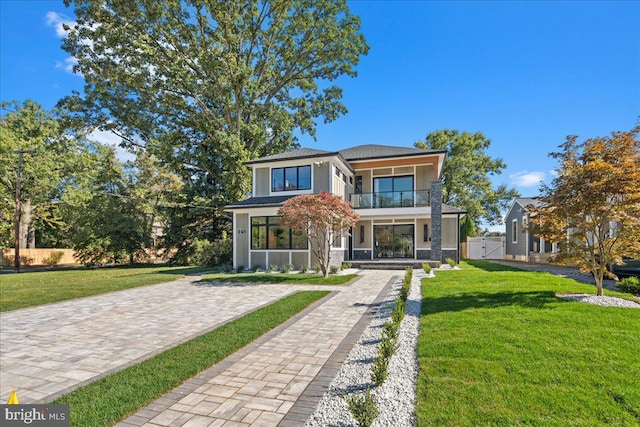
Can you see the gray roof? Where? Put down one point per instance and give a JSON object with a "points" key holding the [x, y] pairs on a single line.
{"points": [[300, 153], [529, 201], [373, 151], [360, 152], [254, 202], [448, 209]]}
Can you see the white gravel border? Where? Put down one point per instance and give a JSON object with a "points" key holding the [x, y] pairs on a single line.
{"points": [[603, 300], [395, 399]]}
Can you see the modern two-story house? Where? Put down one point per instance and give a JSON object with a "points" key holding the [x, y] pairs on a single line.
{"points": [[397, 192]]}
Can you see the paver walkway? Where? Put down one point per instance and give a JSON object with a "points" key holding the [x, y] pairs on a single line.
{"points": [[48, 350], [272, 382]]}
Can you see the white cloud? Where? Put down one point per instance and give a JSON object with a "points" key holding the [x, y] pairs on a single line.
{"points": [[57, 21], [112, 140], [67, 65], [527, 179]]}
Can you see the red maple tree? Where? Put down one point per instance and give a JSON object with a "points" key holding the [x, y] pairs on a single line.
{"points": [[324, 218]]}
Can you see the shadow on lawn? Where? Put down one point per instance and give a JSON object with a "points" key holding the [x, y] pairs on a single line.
{"points": [[491, 266], [488, 300]]}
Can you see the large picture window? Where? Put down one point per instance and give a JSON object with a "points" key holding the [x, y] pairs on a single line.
{"points": [[267, 233], [291, 179]]}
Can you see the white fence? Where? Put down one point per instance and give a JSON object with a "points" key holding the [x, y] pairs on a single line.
{"points": [[486, 247]]}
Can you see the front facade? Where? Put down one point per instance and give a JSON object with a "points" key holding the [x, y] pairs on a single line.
{"points": [[522, 244], [396, 191]]}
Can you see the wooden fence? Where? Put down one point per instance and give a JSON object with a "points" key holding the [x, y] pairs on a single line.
{"points": [[37, 256]]}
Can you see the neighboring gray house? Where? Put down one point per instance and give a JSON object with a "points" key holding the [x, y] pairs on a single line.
{"points": [[396, 190], [522, 245]]}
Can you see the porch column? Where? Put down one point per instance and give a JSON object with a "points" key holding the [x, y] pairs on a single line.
{"points": [[436, 220]]}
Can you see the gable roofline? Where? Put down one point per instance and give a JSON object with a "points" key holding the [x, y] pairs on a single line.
{"points": [[358, 153], [376, 152], [301, 153], [523, 202]]}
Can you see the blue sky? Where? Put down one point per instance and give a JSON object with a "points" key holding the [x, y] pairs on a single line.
{"points": [[526, 74]]}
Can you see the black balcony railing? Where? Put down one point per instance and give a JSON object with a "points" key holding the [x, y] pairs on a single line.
{"points": [[391, 199]]}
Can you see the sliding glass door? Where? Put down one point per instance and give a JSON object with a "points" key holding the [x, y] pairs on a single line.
{"points": [[393, 241]]}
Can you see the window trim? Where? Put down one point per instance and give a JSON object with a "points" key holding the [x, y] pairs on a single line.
{"points": [[514, 230]]}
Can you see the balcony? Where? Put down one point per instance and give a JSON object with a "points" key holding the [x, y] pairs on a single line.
{"points": [[391, 199]]}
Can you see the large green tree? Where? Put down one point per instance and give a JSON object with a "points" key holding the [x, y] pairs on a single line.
{"points": [[106, 221], [50, 162], [205, 85], [466, 174]]}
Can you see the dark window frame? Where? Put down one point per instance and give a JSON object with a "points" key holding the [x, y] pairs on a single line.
{"points": [[298, 186], [272, 222]]}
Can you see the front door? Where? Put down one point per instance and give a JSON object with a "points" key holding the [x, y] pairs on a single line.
{"points": [[393, 241]]}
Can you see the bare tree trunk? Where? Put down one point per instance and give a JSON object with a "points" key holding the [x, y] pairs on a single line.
{"points": [[27, 232], [25, 218]]}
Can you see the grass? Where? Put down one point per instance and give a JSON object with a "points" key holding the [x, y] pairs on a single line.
{"points": [[109, 399], [498, 348], [30, 289], [281, 278]]}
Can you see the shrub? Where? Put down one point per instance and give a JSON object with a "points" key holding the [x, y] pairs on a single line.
{"points": [[345, 265], [390, 328], [388, 343], [272, 268], [379, 370], [363, 408], [240, 269], [54, 258], [451, 262], [303, 269], [409, 273], [256, 268], [286, 268], [333, 269], [404, 293], [205, 252], [438, 264], [630, 285], [426, 267], [317, 269], [398, 312]]}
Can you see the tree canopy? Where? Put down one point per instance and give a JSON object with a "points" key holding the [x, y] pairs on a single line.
{"points": [[206, 85], [324, 218], [50, 162], [592, 207], [466, 172]]}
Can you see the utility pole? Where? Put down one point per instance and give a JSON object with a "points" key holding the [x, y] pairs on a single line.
{"points": [[16, 265]]}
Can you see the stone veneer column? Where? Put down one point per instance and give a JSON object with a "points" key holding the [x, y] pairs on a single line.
{"points": [[436, 220]]}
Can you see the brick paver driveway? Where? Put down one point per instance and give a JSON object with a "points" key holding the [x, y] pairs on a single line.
{"points": [[50, 349]]}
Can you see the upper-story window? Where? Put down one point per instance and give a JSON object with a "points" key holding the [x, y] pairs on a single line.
{"points": [[291, 178]]}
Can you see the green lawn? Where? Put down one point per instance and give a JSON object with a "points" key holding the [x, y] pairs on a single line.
{"points": [[108, 400], [29, 289], [289, 279], [498, 348]]}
